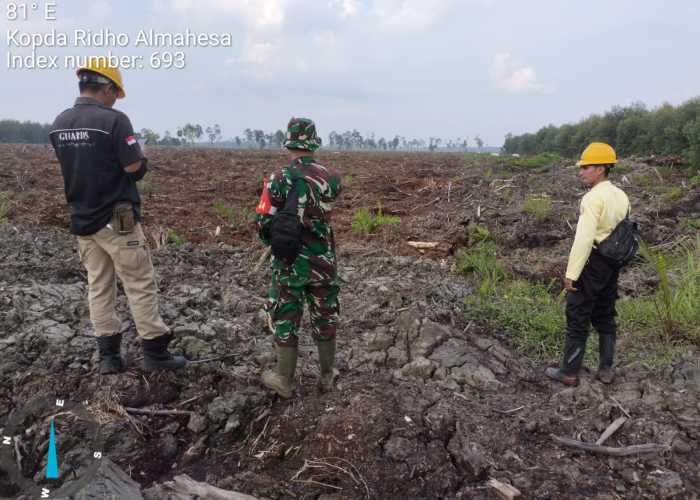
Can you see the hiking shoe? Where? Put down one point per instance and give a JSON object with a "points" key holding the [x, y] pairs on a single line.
{"points": [[560, 376]]}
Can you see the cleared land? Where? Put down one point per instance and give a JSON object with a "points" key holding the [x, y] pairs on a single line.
{"points": [[441, 350]]}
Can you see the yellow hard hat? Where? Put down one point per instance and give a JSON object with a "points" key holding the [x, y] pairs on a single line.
{"points": [[597, 153], [101, 66]]}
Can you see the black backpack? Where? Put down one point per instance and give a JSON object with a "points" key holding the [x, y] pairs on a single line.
{"points": [[286, 228], [622, 244]]}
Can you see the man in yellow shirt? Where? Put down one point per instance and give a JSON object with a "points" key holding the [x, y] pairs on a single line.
{"points": [[591, 279]]}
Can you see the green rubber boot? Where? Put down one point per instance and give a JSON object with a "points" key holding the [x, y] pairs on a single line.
{"points": [[280, 379], [326, 361]]}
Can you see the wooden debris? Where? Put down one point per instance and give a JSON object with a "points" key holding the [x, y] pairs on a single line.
{"points": [[503, 490], [617, 403], [426, 205], [423, 245], [612, 428], [636, 449], [262, 260], [185, 488], [142, 411]]}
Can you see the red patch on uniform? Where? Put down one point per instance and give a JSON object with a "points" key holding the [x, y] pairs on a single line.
{"points": [[131, 140], [265, 204]]}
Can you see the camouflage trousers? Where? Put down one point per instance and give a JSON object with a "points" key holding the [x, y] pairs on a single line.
{"points": [[285, 308]]}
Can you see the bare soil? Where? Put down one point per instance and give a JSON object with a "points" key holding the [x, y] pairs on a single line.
{"points": [[430, 403]]}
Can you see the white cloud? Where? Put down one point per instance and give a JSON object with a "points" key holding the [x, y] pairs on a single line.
{"points": [[258, 13], [410, 15], [348, 8], [512, 77]]}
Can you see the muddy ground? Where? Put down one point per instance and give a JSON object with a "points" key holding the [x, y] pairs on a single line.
{"points": [[430, 403]]}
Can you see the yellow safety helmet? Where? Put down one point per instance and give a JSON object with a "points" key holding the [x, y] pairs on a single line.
{"points": [[101, 66], [597, 153]]}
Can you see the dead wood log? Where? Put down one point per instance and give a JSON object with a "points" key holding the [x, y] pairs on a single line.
{"points": [[143, 411], [185, 488], [423, 245], [503, 490], [636, 449], [612, 428], [262, 260]]}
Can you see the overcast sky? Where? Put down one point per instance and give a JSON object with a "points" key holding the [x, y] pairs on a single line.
{"points": [[416, 68]]}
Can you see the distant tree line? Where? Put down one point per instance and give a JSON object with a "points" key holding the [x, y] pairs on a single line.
{"points": [[631, 130], [193, 133], [24, 132]]}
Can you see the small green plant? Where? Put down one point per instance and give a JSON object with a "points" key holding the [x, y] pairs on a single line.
{"points": [[481, 261], [672, 195], [622, 168], [174, 238], [145, 185], [694, 181], [364, 222], [537, 206], [3, 208], [675, 302], [235, 217], [536, 161], [349, 179], [479, 233]]}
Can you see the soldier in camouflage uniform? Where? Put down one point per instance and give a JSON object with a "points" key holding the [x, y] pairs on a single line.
{"points": [[312, 277]]}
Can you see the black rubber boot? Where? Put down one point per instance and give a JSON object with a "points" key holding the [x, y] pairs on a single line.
{"points": [[157, 357], [574, 350], [110, 358], [606, 352]]}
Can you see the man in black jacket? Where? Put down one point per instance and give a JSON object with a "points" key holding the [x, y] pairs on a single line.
{"points": [[101, 161]]}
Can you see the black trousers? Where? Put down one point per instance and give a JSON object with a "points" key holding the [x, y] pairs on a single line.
{"points": [[593, 303]]}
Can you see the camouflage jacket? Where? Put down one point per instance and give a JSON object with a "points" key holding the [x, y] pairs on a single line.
{"points": [[316, 195]]}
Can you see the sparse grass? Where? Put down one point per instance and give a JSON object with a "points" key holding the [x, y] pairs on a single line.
{"points": [[622, 169], [536, 161], [481, 261], [537, 206], [364, 222], [688, 224], [478, 233], [673, 310], [694, 181], [145, 185], [672, 195], [4, 209], [235, 217], [532, 314], [349, 179], [174, 238]]}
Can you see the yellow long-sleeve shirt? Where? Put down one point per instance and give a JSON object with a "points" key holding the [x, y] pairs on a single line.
{"points": [[602, 209]]}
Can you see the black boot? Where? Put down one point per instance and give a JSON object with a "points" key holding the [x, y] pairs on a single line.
{"points": [[567, 373], [606, 352], [157, 357], [110, 358]]}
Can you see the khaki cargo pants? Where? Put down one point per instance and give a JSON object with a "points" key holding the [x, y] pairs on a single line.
{"points": [[106, 255]]}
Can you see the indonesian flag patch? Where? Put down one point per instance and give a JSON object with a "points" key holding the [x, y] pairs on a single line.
{"points": [[265, 204], [131, 140]]}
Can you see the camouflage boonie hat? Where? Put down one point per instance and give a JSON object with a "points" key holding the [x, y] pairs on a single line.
{"points": [[301, 134]]}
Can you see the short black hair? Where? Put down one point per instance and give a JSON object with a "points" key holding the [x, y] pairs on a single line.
{"points": [[91, 87], [93, 82], [608, 168]]}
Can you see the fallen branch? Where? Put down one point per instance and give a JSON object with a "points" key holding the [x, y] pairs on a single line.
{"points": [[141, 411], [617, 403], [426, 205], [636, 449], [423, 245], [503, 490], [262, 260], [508, 412], [207, 360], [612, 428]]}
